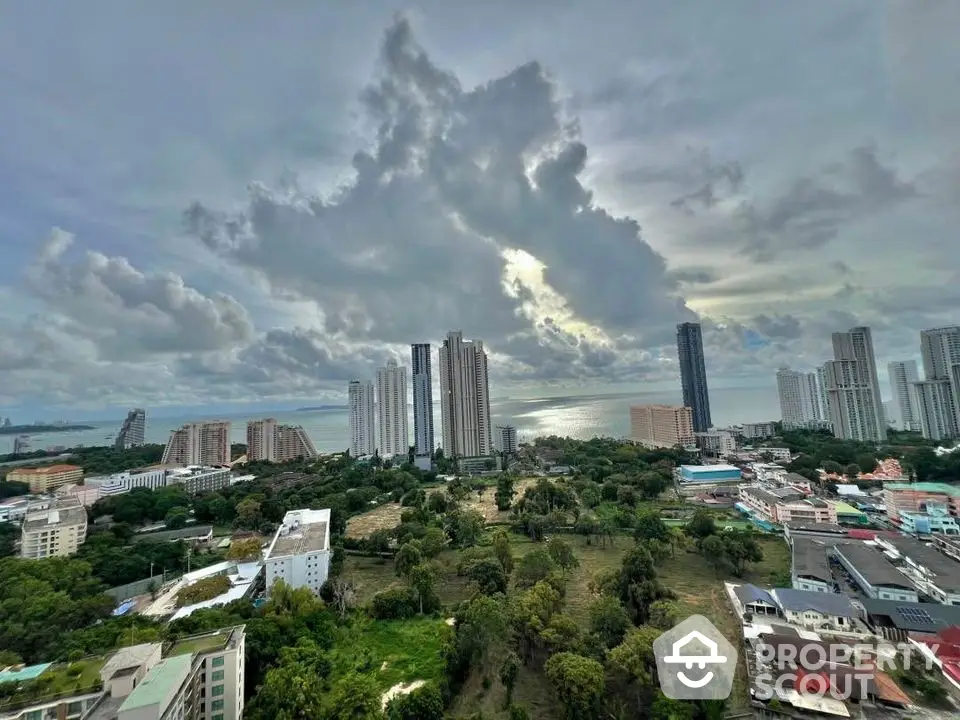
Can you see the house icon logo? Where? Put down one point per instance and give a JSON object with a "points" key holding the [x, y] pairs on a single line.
{"points": [[695, 661]]}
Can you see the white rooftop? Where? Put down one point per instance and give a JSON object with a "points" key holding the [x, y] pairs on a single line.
{"points": [[302, 531], [710, 468]]}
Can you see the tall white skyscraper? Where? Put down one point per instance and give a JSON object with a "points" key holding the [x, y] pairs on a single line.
{"points": [[394, 436], [421, 368], [853, 413], [822, 388], [360, 398], [268, 440], [465, 398], [903, 373], [857, 344], [799, 398], [940, 350], [131, 433]]}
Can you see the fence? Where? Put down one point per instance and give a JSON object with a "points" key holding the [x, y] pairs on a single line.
{"points": [[140, 587]]}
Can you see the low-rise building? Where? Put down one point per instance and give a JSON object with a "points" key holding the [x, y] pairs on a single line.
{"points": [[758, 431], [810, 565], [300, 552], [936, 520], [794, 531], [124, 482], [893, 619], [948, 545], [915, 497], [14, 509], [938, 575], [53, 528], [196, 478], [874, 574], [785, 505], [46, 479], [708, 475], [756, 601], [716, 442], [816, 610]]}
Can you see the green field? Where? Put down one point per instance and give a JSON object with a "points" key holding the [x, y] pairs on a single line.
{"points": [[692, 577]]}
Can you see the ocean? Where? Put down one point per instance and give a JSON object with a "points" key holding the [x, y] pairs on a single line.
{"points": [[579, 416]]}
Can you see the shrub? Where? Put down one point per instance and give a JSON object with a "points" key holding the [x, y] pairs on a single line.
{"points": [[394, 603]]}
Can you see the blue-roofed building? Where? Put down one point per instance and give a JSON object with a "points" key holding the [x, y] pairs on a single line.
{"points": [[755, 600], [709, 474], [816, 610], [20, 674]]}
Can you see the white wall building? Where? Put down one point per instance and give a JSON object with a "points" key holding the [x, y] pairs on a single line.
{"points": [[53, 528], [393, 433], [853, 413], [196, 478], [799, 398], [940, 351], [300, 552], [932, 400], [132, 431], [857, 344], [421, 369], [360, 397], [505, 439], [268, 440], [465, 398], [124, 482], [903, 373], [203, 443]]}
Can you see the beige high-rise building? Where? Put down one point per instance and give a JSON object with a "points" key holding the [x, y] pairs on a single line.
{"points": [[464, 398], [361, 399], [46, 479], [53, 528], [393, 434], [204, 443], [270, 441], [662, 425]]}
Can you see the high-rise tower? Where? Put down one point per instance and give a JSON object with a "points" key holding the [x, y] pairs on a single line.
{"points": [[361, 401], [394, 436], [421, 369], [465, 398], [693, 374]]}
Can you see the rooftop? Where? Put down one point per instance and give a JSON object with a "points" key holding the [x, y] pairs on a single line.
{"points": [[187, 532], [55, 681], [930, 487], [874, 566], [126, 658], [810, 559], [46, 470], [914, 617], [751, 593], [303, 531], [694, 469], [160, 684], [66, 511], [826, 603], [843, 508], [945, 569], [200, 644], [816, 527]]}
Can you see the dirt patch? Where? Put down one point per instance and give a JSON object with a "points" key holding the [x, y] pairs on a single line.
{"points": [[400, 689], [385, 517], [486, 504]]}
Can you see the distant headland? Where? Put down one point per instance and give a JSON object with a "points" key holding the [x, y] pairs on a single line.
{"points": [[37, 429], [314, 408]]}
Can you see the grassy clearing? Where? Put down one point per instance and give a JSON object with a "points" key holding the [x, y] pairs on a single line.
{"points": [[486, 504], [385, 517], [396, 651], [370, 575]]}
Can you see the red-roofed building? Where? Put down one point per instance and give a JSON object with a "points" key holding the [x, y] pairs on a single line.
{"points": [[944, 650]]}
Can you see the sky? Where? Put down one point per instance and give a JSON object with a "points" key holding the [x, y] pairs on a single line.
{"points": [[242, 201]]}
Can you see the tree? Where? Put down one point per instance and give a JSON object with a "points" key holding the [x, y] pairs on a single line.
{"points": [[503, 551], [295, 688], [533, 567], [608, 621], [482, 628], [509, 670], [438, 502], [407, 557], [637, 584], [562, 554], [464, 527], [633, 662], [590, 496], [627, 496], [701, 525], [422, 579], [649, 526], [343, 592], [578, 683], [663, 614], [354, 697], [505, 491], [424, 703], [433, 542], [866, 462], [489, 575], [832, 467], [248, 513], [852, 471]]}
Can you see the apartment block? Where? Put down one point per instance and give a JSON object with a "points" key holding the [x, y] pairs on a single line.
{"points": [[854, 411], [270, 441], [196, 479], [505, 439], [856, 345], [393, 431], [933, 402], [799, 397], [132, 431], [53, 528], [124, 482], [915, 497], [693, 374], [203, 443], [43, 480], [465, 398], [362, 402], [903, 374], [757, 431], [421, 369], [662, 425], [300, 551]]}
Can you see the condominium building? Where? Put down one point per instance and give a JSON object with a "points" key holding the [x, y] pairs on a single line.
{"points": [[197, 479], [421, 369], [916, 497], [903, 374], [360, 397], [465, 398], [267, 440], [718, 442], [662, 425], [940, 351], [757, 431], [124, 482], [693, 374], [505, 439], [203, 443], [799, 398], [857, 344], [132, 431], [43, 480], [392, 429], [932, 400], [300, 551], [853, 411], [53, 528]]}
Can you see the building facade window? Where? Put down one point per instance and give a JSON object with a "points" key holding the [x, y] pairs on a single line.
{"points": [[218, 661], [217, 675], [216, 705], [217, 690]]}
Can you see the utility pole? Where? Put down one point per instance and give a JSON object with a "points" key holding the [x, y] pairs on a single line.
{"points": [[189, 553]]}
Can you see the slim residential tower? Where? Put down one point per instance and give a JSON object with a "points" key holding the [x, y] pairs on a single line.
{"points": [[131, 433], [799, 398], [465, 398], [903, 374], [693, 374], [857, 344], [394, 436], [422, 399], [360, 398]]}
